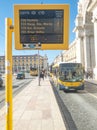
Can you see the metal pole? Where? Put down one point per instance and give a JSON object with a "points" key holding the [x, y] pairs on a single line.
{"points": [[38, 69], [8, 70]]}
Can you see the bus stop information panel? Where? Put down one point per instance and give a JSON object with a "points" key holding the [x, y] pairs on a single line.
{"points": [[45, 26]]}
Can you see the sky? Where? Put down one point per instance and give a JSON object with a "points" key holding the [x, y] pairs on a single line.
{"points": [[6, 11]]}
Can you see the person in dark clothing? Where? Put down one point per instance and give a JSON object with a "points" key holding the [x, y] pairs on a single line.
{"points": [[42, 75]]}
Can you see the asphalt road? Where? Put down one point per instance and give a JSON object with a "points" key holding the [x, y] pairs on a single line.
{"points": [[80, 108]]}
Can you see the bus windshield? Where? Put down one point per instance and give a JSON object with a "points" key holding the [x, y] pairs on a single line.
{"points": [[33, 69], [71, 72]]}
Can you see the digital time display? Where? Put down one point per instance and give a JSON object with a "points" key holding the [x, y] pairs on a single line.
{"points": [[45, 26]]}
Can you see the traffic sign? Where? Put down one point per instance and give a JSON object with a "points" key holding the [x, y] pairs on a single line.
{"points": [[43, 24]]}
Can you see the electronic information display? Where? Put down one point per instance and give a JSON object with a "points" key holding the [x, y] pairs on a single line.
{"points": [[41, 24], [44, 26]]}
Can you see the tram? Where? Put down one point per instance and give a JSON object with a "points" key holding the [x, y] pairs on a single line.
{"points": [[33, 71], [68, 76]]}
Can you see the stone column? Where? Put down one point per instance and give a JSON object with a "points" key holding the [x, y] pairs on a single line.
{"points": [[95, 41], [82, 52], [86, 52], [79, 50]]}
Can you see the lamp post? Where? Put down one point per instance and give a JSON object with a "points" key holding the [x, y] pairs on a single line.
{"points": [[39, 45]]}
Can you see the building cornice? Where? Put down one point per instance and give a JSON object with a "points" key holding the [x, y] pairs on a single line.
{"points": [[92, 5], [78, 28]]}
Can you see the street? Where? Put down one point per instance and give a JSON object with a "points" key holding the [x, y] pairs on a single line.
{"points": [[80, 108]]}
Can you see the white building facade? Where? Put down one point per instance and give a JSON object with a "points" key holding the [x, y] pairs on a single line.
{"points": [[85, 35], [93, 9], [84, 48]]}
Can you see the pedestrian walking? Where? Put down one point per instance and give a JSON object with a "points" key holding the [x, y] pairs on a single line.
{"points": [[42, 75]]}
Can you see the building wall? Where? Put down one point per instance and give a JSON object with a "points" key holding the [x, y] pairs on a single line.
{"points": [[70, 55], [84, 47], [93, 9], [23, 62]]}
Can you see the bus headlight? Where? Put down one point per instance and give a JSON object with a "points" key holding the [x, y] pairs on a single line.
{"points": [[66, 87]]}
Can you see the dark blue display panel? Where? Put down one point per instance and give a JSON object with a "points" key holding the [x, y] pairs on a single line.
{"points": [[44, 26]]}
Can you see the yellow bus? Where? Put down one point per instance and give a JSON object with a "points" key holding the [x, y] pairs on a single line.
{"points": [[33, 71], [68, 76]]}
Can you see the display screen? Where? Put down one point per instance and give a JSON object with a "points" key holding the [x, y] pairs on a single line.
{"points": [[44, 26]]}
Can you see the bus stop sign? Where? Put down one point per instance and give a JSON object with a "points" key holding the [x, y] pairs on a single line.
{"points": [[41, 24]]}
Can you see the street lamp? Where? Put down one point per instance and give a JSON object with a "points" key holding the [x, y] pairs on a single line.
{"points": [[39, 45]]}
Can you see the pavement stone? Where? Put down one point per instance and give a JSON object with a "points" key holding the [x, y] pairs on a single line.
{"points": [[35, 108]]}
